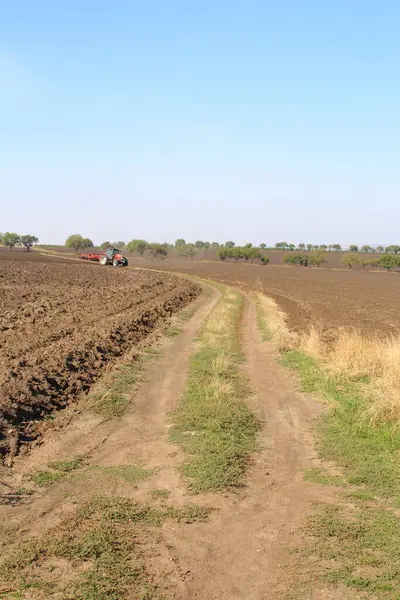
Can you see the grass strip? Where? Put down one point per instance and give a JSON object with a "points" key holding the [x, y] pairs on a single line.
{"points": [[369, 454], [213, 423]]}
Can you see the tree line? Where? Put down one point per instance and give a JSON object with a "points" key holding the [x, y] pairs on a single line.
{"points": [[12, 239], [392, 249]]}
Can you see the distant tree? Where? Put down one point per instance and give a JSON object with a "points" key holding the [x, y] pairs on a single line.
{"points": [[230, 244], [323, 247], [393, 249], [180, 242], [248, 245], [366, 248], [187, 251], [158, 250], [237, 253], [199, 244], [263, 246], [302, 246], [317, 259], [87, 243], [369, 262], [215, 244], [296, 259], [389, 261], [138, 246], [222, 253], [255, 253], [120, 244], [380, 249], [353, 248], [290, 259], [337, 247], [265, 260], [350, 260], [315, 247], [105, 245], [207, 245], [281, 245], [28, 241], [309, 247], [250, 253], [10, 239], [75, 241]]}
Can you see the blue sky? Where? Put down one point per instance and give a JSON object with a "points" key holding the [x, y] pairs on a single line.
{"points": [[246, 120]]}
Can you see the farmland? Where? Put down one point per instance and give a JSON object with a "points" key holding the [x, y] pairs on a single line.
{"points": [[215, 411], [368, 301], [61, 324]]}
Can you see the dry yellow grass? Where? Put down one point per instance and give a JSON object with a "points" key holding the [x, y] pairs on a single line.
{"points": [[346, 353]]}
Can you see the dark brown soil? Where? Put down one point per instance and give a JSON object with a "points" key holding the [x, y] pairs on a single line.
{"points": [[368, 301], [61, 324]]}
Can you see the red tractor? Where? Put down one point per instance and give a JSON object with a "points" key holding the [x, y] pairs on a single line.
{"points": [[111, 256]]}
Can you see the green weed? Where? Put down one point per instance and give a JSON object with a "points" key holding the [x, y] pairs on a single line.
{"points": [[46, 478], [160, 494], [318, 476], [129, 473], [364, 546], [66, 466]]}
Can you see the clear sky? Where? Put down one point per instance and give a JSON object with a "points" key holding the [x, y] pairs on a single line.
{"points": [[248, 120]]}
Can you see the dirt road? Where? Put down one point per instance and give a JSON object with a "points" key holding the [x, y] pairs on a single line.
{"points": [[244, 550]]}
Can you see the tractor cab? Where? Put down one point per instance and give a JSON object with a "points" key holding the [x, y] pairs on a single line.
{"points": [[111, 252]]}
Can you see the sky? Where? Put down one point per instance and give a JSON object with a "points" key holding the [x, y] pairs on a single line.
{"points": [[246, 120]]}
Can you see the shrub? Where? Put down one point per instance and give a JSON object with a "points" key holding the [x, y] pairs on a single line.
{"points": [[222, 253], [265, 260], [350, 260], [317, 259], [297, 259], [389, 261]]}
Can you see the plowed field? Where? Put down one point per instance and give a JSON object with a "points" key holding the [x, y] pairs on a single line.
{"points": [[367, 301], [61, 324]]}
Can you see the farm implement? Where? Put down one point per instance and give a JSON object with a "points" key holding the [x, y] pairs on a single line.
{"points": [[111, 256]]}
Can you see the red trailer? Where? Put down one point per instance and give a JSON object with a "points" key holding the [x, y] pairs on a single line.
{"points": [[111, 256]]}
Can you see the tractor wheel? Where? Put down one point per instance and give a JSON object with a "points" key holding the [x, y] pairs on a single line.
{"points": [[115, 262], [103, 260], [125, 262]]}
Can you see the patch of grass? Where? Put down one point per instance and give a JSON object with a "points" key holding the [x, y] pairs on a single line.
{"points": [[46, 478], [106, 537], [360, 495], [59, 470], [110, 404], [213, 423], [129, 473], [365, 548], [160, 493], [113, 402], [149, 354], [266, 333], [319, 476], [66, 466], [173, 331]]}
